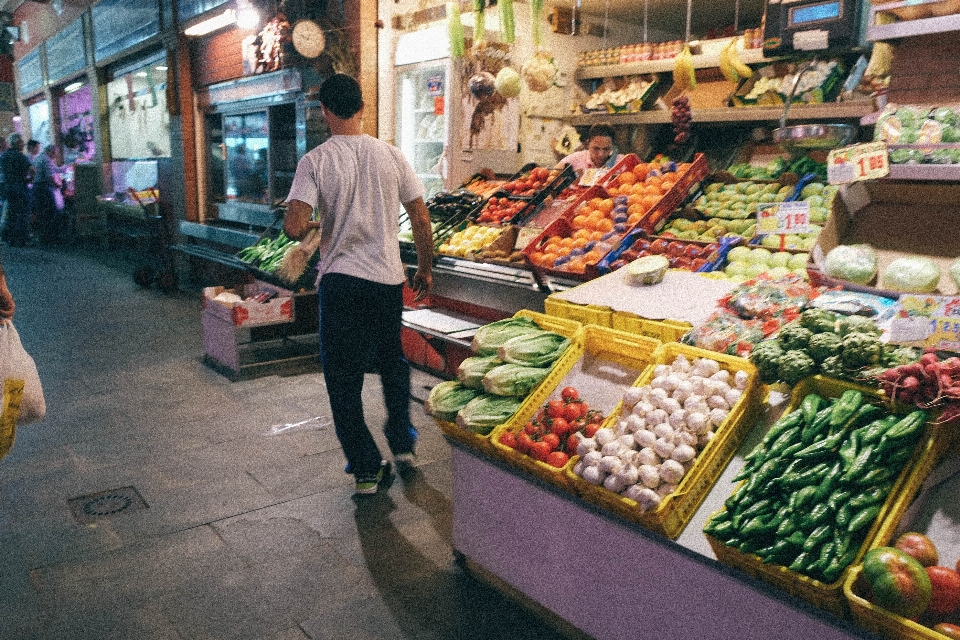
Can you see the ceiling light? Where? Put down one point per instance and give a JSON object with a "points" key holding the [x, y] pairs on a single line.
{"points": [[70, 88], [226, 18], [247, 15]]}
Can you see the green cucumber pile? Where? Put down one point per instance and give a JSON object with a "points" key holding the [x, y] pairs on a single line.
{"points": [[816, 483], [267, 253]]}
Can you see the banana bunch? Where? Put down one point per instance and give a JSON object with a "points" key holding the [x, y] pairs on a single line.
{"points": [[684, 74], [731, 66], [880, 60]]}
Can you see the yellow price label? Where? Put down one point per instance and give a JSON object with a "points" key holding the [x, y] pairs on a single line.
{"points": [[858, 162]]}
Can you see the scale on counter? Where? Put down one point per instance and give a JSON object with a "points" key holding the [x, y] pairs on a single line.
{"points": [[797, 26]]}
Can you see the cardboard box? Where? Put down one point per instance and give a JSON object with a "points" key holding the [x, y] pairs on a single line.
{"points": [[897, 219], [250, 313]]}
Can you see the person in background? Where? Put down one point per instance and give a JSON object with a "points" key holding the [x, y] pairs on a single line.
{"points": [[17, 173], [7, 305], [599, 153], [33, 149], [46, 202], [4, 228], [358, 184]]}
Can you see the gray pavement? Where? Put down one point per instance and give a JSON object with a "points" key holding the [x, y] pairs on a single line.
{"points": [[246, 533]]}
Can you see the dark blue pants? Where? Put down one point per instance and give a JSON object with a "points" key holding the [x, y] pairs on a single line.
{"points": [[360, 332]]}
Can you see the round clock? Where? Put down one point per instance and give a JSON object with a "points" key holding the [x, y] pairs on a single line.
{"points": [[308, 38]]}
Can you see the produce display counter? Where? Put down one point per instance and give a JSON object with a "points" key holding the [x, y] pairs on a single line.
{"points": [[610, 578]]}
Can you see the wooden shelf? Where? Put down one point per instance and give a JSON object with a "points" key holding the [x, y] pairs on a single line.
{"points": [[925, 172], [909, 28], [703, 61], [798, 112]]}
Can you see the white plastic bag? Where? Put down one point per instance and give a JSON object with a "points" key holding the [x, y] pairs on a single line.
{"points": [[16, 364]]}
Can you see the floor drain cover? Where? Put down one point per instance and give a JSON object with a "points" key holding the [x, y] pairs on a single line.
{"points": [[106, 503]]}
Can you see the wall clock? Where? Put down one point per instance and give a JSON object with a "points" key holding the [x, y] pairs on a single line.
{"points": [[308, 38]]}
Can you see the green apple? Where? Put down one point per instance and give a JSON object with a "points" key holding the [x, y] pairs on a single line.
{"points": [[780, 259], [760, 256], [798, 261], [812, 189], [739, 254]]}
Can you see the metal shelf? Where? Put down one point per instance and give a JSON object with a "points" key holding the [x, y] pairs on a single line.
{"points": [[829, 111], [909, 28]]}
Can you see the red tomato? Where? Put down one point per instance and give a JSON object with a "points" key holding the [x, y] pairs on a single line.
{"points": [[508, 439], [572, 411], [539, 450], [557, 459], [560, 426], [692, 251], [572, 442], [530, 428], [591, 429], [524, 442], [555, 409], [945, 592], [568, 394], [551, 439]]}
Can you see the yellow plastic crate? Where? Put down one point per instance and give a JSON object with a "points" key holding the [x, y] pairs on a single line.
{"points": [[583, 313], [674, 512], [662, 330], [629, 351], [536, 397], [830, 597]]}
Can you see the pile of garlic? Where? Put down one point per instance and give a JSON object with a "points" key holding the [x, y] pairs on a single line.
{"points": [[662, 428]]}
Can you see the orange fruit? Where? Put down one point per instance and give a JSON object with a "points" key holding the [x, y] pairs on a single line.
{"points": [[579, 242], [627, 177], [605, 224], [579, 221], [605, 206], [634, 218], [596, 236], [566, 243]]}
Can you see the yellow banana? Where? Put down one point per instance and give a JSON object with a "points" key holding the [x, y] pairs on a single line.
{"points": [[726, 67], [742, 69], [684, 74], [880, 60]]}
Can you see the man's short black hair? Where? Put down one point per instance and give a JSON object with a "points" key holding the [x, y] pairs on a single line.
{"points": [[600, 129], [341, 95]]}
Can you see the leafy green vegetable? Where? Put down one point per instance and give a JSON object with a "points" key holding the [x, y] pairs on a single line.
{"points": [[857, 324], [795, 365], [447, 398], [818, 320], [912, 274], [534, 349], [793, 336], [513, 379], [766, 358], [488, 338], [823, 345], [860, 350], [485, 412], [856, 263], [471, 370]]}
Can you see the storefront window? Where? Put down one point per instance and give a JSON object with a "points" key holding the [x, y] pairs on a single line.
{"points": [[246, 140], [76, 124], [39, 113], [139, 120]]}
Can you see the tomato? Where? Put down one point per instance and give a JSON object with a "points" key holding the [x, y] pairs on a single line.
{"points": [[691, 251], [919, 547], [594, 416], [557, 459], [676, 248], [591, 429], [659, 246], [569, 394], [572, 442], [555, 408], [948, 629], [508, 439], [531, 428], [572, 411], [560, 426], [539, 450], [524, 442], [945, 590], [551, 439]]}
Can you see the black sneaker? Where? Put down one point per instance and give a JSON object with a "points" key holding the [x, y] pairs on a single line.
{"points": [[404, 461], [368, 484]]}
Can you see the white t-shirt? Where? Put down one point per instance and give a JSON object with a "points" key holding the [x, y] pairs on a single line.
{"points": [[357, 184]]}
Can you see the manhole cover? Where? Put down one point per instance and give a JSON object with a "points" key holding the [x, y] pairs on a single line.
{"points": [[106, 503]]}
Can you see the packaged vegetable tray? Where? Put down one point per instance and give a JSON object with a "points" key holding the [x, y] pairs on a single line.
{"points": [[830, 597], [609, 362], [536, 397], [675, 510]]}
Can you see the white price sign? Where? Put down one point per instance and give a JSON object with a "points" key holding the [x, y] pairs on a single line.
{"points": [[858, 162], [783, 217]]}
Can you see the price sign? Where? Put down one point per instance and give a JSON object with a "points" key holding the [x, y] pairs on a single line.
{"points": [[858, 162], [783, 217], [922, 320], [590, 176]]}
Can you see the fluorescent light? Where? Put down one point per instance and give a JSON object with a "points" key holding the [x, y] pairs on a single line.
{"points": [[70, 88], [247, 16], [226, 18], [161, 67]]}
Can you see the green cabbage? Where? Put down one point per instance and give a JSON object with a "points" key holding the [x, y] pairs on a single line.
{"points": [[447, 398], [488, 338], [855, 262], [513, 379], [485, 412], [471, 370], [912, 274], [533, 349], [955, 272]]}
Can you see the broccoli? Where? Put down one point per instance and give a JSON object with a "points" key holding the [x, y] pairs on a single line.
{"points": [[860, 350], [765, 357], [795, 365], [823, 345], [793, 336], [857, 324], [818, 320], [832, 367]]}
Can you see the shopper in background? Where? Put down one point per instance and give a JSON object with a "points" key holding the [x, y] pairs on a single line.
{"points": [[17, 173], [358, 184], [599, 153], [4, 228], [33, 149], [46, 203]]}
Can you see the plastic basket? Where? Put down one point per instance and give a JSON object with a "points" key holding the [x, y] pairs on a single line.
{"points": [[536, 397], [584, 313], [830, 597], [662, 330], [631, 352], [675, 510]]}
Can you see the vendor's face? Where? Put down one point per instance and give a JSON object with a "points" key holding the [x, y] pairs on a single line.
{"points": [[600, 148]]}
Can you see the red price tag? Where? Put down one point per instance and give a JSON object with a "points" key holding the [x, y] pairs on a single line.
{"points": [[858, 162]]}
